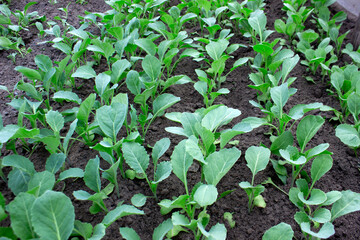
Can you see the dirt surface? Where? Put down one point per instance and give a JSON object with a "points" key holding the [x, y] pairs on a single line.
{"points": [[344, 174]]}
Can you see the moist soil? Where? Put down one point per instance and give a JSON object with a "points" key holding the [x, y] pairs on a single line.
{"points": [[343, 175]]}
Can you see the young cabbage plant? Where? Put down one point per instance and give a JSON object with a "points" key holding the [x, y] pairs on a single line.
{"points": [[345, 83], [317, 223], [159, 104], [353, 54], [273, 66], [283, 145], [93, 181], [318, 57], [257, 22], [203, 194], [314, 217], [257, 159], [349, 134], [275, 115], [137, 158], [28, 211], [24, 18], [201, 127], [171, 23]]}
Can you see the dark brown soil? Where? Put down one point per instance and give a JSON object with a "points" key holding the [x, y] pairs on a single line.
{"points": [[344, 174]]}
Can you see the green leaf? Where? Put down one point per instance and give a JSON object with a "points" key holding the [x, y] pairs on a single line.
{"points": [[19, 162], [206, 195], [282, 231], [321, 215], [217, 232], [85, 72], [8, 132], [280, 95], [307, 128], [92, 176], [161, 230], [219, 163], [218, 117], [119, 212], [85, 108], [138, 200], [320, 165], [99, 232], [348, 203], [353, 103], [257, 21], [133, 82], [68, 96], [18, 181], [136, 156], [43, 181], [160, 148], [101, 83], [128, 233], [20, 215], [163, 171], [83, 229], [181, 161], [317, 197], [111, 118], [216, 49], [5, 42], [53, 216], [147, 45], [43, 62], [194, 150], [281, 142], [163, 102], [71, 173], [257, 158], [118, 68], [31, 74], [263, 49], [152, 67], [326, 231], [55, 120], [348, 135]]}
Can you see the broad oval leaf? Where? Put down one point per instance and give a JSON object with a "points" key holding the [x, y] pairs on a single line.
{"points": [[307, 129], [119, 212], [348, 203], [152, 67], [206, 195], [138, 200], [161, 230], [317, 197], [55, 120], [129, 233], [348, 135], [216, 49], [163, 102], [257, 158], [136, 156], [111, 118], [43, 181], [181, 161], [282, 231], [92, 175], [219, 163], [163, 171], [320, 165], [85, 72], [160, 148], [326, 231], [53, 216], [20, 215], [219, 116]]}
